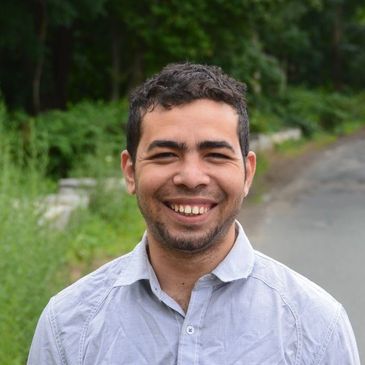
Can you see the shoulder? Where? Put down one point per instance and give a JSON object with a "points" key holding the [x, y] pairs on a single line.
{"points": [[61, 328], [317, 314], [292, 286], [71, 309], [89, 291]]}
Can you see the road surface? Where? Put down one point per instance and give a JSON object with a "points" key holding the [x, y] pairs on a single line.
{"points": [[315, 224]]}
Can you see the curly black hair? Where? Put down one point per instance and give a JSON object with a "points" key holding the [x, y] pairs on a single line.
{"points": [[182, 83]]}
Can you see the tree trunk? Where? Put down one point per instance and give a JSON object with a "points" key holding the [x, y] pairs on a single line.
{"points": [[41, 28], [115, 77], [61, 58], [136, 75], [336, 47]]}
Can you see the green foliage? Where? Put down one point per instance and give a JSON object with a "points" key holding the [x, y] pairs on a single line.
{"points": [[265, 122], [75, 137], [36, 260], [101, 49], [29, 254], [112, 225], [262, 72], [315, 111]]}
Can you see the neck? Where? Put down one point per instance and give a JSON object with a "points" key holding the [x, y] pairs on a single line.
{"points": [[178, 271]]}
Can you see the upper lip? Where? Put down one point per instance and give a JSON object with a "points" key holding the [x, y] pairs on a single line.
{"points": [[191, 201]]}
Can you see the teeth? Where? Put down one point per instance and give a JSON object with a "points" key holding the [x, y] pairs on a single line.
{"points": [[188, 209]]}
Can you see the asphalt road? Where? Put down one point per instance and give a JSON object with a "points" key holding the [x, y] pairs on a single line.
{"points": [[315, 224]]}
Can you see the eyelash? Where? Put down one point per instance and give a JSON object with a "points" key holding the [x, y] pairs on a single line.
{"points": [[212, 155], [163, 155], [218, 155]]}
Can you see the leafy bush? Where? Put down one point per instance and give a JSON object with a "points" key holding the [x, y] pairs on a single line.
{"points": [[316, 110], [73, 137], [262, 73], [264, 122]]}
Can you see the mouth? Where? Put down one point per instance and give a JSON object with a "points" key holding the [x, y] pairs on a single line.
{"points": [[190, 209]]}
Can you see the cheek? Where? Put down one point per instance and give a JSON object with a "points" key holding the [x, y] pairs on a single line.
{"points": [[151, 179], [232, 179], [238, 188], [235, 187]]}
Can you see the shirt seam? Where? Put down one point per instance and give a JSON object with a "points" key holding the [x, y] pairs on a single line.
{"points": [[319, 356], [94, 309], [183, 332], [195, 340], [202, 314], [52, 319], [294, 313]]}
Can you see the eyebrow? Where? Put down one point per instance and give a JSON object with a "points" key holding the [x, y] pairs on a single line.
{"points": [[164, 143], [204, 145], [214, 145]]}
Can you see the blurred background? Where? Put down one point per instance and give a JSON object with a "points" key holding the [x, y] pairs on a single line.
{"points": [[66, 68]]}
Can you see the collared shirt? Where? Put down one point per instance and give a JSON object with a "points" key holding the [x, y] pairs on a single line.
{"points": [[249, 310]]}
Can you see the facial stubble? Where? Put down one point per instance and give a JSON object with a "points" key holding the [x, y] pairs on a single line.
{"points": [[188, 242]]}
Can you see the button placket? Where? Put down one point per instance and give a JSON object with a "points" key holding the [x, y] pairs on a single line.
{"points": [[190, 330], [189, 340]]}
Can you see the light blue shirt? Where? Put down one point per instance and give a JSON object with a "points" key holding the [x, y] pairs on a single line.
{"points": [[249, 310]]}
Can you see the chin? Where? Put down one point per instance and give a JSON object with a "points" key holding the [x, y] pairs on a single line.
{"points": [[188, 242]]}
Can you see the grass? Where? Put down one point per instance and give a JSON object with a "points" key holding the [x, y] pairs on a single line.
{"points": [[36, 261], [296, 148], [321, 139], [29, 254], [110, 227]]}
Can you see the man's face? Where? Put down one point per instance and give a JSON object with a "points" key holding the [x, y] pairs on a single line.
{"points": [[189, 174]]}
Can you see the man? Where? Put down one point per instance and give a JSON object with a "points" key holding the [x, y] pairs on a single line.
{"points": [[193, 291]]}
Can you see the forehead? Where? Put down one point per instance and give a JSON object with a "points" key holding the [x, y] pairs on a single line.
{"points": [[196, 121]]}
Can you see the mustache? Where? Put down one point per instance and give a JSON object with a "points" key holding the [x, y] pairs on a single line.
{"points": [[201, 191]]}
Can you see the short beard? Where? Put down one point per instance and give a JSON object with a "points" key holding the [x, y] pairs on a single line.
{"points": [[186, 244], [190, 245], [183, 243]]}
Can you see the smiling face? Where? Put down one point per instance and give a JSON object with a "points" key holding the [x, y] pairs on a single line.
{"points": [[189, 175]]}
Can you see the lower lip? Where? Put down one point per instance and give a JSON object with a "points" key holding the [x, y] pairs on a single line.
{"points": [[190, 219]]}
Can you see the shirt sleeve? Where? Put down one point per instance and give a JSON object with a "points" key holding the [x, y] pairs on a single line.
{"points": [[341, 347], [45, 349]]}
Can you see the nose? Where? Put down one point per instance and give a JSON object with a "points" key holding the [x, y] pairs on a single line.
{"points": [[192, 173]]}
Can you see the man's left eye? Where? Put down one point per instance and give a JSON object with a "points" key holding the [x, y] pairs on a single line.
{"points": [[219, 156], [163, 155]]}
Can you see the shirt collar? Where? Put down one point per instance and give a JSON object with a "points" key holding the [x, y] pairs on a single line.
{"points": [[137, 267], [238, 264]]}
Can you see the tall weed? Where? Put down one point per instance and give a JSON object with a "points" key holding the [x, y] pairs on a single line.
{"points": [[29, 254], [35, 260]]}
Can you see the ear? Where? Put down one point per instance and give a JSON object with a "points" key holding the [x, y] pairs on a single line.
{"points": [[128, 171], [250, 171]]}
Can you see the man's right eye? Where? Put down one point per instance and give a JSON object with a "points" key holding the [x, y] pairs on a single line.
{"points": [[163, 155]]}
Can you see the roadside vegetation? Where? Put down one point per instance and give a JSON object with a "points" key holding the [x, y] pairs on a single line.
{"points": [[36, 260]]}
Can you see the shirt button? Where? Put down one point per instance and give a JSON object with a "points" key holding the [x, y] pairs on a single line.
{"points": [[190, 330]]}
